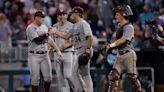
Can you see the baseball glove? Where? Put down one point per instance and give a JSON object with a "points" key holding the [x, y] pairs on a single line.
{"points": [[105, 50], [84, 58]]}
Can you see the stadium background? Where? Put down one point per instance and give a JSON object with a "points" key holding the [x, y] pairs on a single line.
{"points": [[15, 15]]}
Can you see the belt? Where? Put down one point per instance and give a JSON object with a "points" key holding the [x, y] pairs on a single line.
{"points": [[67, 47], [38, 52], [78, 48], [123, 52]]}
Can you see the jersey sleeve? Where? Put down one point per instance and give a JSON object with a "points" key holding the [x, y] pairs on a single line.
{"points": [[128, 33], [46, 30], [87, 29], [31, 33]]}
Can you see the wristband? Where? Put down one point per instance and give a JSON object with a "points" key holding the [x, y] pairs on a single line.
{"points": [[112, 45]]}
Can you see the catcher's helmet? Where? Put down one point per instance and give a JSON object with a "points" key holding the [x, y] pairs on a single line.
{"points": [[125, 9]]}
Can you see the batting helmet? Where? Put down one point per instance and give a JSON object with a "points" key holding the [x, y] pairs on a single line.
{"points": [[124, 9]]}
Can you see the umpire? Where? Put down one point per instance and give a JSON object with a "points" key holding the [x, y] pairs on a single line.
{"points": [[38, 58], [126, 57]]}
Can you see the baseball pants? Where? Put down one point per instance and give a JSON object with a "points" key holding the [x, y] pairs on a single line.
{"points": [[64, 71], [37, 63], [82, 77], [126, 61]]}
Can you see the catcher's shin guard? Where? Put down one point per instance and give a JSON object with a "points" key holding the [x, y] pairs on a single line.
{"points": [[135, 82], [114, 78], [47, 86]]}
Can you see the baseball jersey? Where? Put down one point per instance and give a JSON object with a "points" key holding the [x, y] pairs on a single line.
{"points": [[80, 31], [126, 32], [66, 28], [34, 31]]}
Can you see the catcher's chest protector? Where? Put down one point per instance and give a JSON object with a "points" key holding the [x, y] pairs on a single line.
{"points": [[120, 31], [119, 35]]}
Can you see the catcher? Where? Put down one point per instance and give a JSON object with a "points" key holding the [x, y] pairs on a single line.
{"points": [[126, 57]]}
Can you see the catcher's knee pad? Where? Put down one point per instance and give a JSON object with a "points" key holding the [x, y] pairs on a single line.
{"points": [[135, 82], [114, 75], [114, 78]]}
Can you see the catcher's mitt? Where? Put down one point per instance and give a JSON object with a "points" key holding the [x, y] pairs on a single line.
{"points": [[84, 58], [105, 50]]}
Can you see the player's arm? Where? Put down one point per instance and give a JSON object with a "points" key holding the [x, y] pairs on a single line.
{"points": [[89, 41], [128, 34], [44, 36], [89, 36], [66, 45], [118, 43], [62, 35], [52, 44]]}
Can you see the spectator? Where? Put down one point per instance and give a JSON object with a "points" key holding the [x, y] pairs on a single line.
{"points": [[145, 16], [139, 35], [161, 17], [5, 34], [18, 30], [105, 8], [94, 18]]}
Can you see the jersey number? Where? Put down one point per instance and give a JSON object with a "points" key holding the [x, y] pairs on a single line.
{"points": [[77, 39]]}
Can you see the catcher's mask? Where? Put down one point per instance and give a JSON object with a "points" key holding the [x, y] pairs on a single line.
{"points": [[125, 10]]}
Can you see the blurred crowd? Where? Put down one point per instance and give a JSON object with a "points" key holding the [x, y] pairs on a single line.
{"points": [[148, 18]]}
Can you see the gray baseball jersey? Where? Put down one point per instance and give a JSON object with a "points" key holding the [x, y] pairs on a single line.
{"points": [[38, 61], [34, 31], [128, 34], [66, 28], [80, 31]]}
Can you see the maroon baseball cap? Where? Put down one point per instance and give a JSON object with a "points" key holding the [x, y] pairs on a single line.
{"points": [[78, 9], [39, 14], [61, 11]]}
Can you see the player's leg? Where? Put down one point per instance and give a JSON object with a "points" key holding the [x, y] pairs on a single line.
{"points": [[114, 76], [78, 81], [61, 81], [85, 73], [130, 64], [46, 71], [34, 66], [68, 68]]}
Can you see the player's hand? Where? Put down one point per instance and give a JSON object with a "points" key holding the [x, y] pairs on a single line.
{"points": [[104, 50], [52, 30], [50, 49], [59, 54], [87, 50]]}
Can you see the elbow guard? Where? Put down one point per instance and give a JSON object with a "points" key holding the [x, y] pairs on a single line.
{"points": [[41, 39]]}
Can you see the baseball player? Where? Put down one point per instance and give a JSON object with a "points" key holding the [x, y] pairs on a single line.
{"points": [[82, 40], [126, 57], [64, 67], [38, 58]]}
